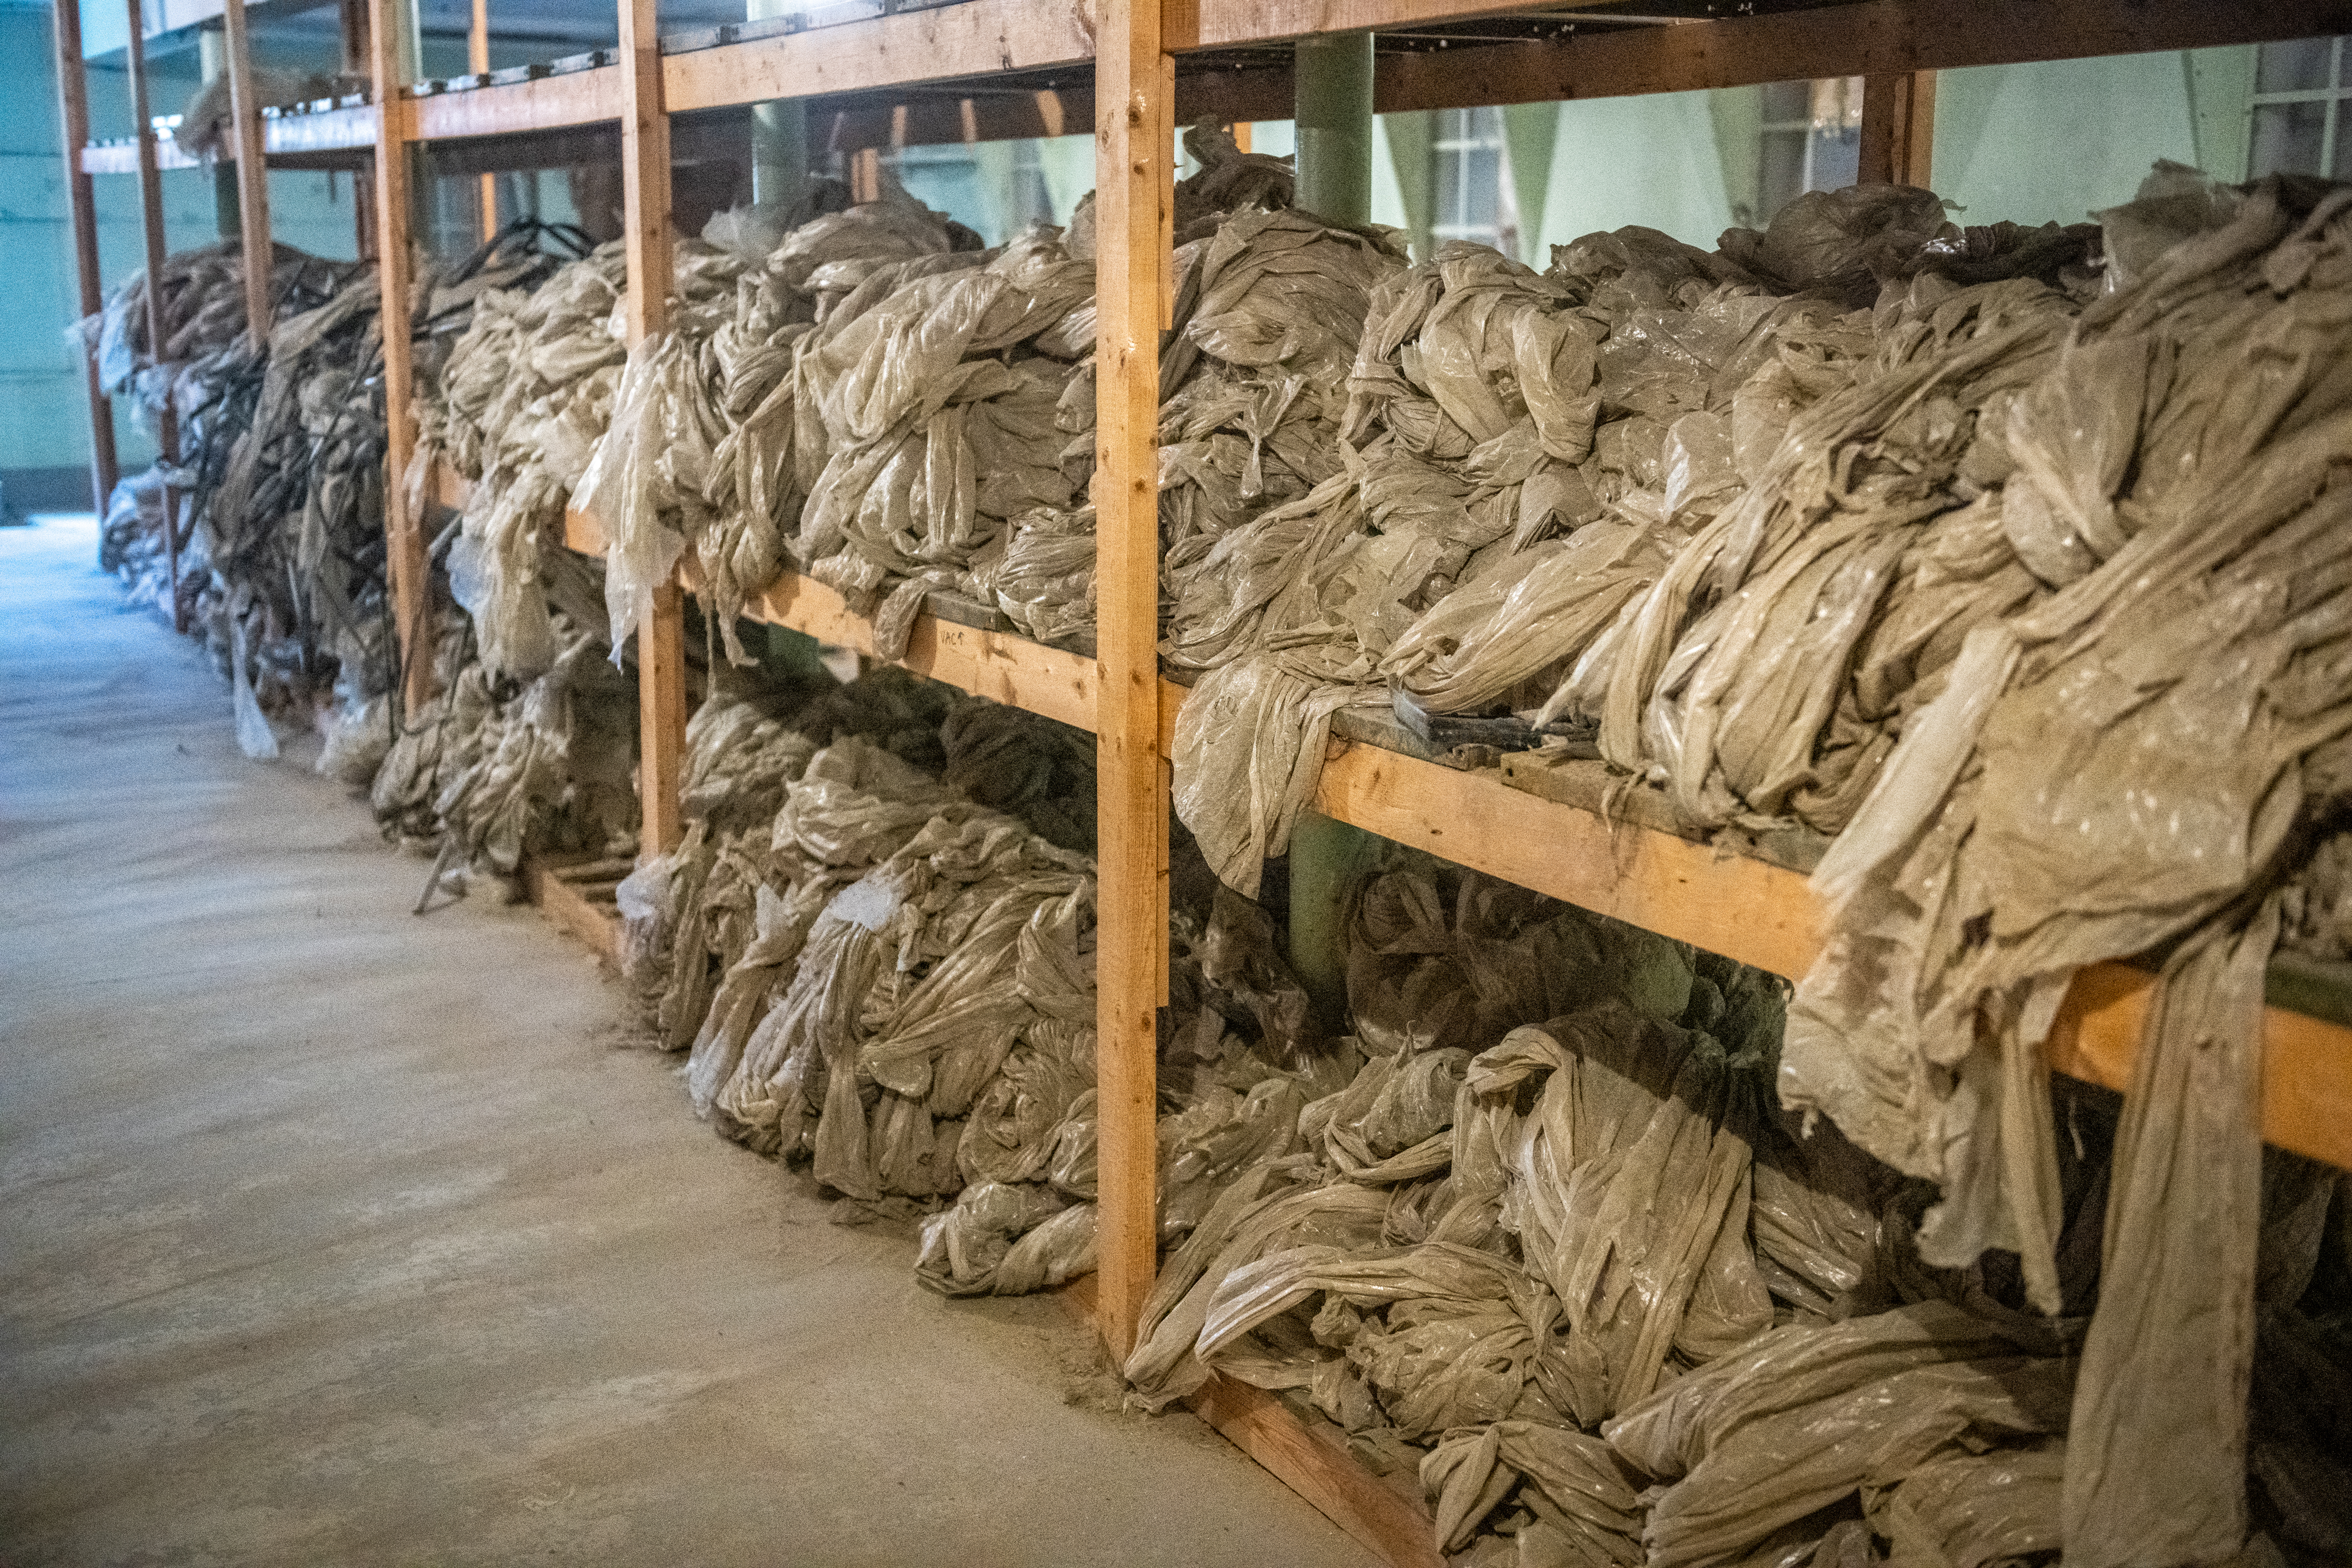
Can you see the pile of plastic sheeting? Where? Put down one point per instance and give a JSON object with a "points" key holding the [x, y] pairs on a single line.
{"points": [[1554, 484], [521, 403], [207, 124], [493, 767], [206, 374], [715, 444], [936, 383], [1269, 304], [855, 941], [1615, 1306], [281, 462], [897, 412], [2124, 764]]}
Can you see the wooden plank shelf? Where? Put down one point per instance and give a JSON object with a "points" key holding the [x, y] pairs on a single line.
{"points": [[1025, 67], [973, 38], [1877, 38], [576, 896], [545, 103], [1561, 829], [980, 38]]}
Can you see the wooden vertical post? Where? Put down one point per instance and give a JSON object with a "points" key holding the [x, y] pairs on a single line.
{"points": [[1898, 129], [1133, 185], [477, 60], [357, 60], [81, 206], [252, 176], [645, 201], [150, 226], [405, 562]]}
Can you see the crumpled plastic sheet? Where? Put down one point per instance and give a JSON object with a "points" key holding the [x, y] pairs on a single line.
{"points": [[1414, 1119], [502, 767], [2196, 646], [527, 393], [938, 398], [717, 440], [1542, 486], [1801, 1417], [879, 971]]}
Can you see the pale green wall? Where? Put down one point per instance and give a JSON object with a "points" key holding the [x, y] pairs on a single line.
{"points": [[1649, 161], [2059, 140]]}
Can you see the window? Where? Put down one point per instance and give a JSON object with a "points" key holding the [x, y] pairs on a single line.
{"points": [[1031, 200], [1812, 141], [2299, 124], [945, 178], [1472, 186]]}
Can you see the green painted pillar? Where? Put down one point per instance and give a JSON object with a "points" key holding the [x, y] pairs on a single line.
{"points": [[1326, 859], [1529, 133], [1334, 85], [212, 63], [780, 150]]}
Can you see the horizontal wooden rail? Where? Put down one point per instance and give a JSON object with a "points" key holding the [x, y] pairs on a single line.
{"points": [[1731, 904], [979, 39], [1388, 1517], [568, 906], [976, 37], [548, 103], [1882, 37], [1740, 906]]}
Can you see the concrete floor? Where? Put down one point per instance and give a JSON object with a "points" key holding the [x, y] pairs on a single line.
{"points": [[328, 1235]]}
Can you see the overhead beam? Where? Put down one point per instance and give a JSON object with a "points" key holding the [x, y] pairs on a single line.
{"points": [[1881, 37], [978, 37]]}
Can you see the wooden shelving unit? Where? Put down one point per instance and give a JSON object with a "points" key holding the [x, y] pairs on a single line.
{"points": [[1138, 67], [1620, 858]]}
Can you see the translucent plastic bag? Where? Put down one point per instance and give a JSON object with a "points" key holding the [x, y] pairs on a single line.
{"points": [[254, 736], [622, 489]]}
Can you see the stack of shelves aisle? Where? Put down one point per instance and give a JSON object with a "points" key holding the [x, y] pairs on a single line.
{"points": [[1001, 69]]}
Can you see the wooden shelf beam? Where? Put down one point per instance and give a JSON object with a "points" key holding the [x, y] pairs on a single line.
{"points": [[549, 103], [1741, 906], [974, 38], [1877, 39], [596, 921]]}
